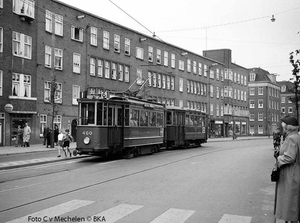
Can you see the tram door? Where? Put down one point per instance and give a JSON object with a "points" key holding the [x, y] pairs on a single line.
{"points": [[115, 129], [180, 127]]}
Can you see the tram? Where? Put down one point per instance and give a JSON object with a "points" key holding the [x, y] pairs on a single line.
{"points": [[118, 125], [185, 127], [129, 126]]}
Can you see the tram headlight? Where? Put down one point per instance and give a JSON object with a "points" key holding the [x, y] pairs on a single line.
{"points": [[86, 140]]}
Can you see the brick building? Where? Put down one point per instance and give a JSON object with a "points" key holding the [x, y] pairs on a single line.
{"points": [[287, 91], [48, 43], [264, 102]]}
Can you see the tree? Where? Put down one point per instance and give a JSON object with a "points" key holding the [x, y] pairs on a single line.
{"points": [[295, 72], [53, 92]]}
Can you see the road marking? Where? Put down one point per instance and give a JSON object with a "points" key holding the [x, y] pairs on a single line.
{"points": [[174, 215], [54, 211], [116, 213], [227, 218]]}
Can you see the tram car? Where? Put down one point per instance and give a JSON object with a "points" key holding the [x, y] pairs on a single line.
{"points": [[118, 125], [185, 127]]}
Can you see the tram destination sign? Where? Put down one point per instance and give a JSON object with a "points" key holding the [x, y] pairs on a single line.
{"points": [[97, 93]]}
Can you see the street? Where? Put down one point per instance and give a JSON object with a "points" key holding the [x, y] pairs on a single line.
{"points": [[216, 183]]}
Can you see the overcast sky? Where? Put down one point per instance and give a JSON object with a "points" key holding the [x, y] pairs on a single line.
{"points": [[244, 26]]}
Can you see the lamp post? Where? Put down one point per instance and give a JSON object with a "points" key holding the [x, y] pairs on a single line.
{"points": [[208, 94]]}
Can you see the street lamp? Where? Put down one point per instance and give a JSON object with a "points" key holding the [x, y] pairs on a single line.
{"points": [[208, 94]]}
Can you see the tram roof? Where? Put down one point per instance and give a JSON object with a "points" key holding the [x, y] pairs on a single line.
{"points": [[172, 107]]}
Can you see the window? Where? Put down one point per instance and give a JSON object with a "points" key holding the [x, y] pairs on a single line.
{"points": [[113, 71], [48, 23], [139, 74], [127, 46], [173, 60], [188, 64], [290, 110], [252, 91], [92, 66], [251, 118], [121, 75], [282, 99], [211, 91], [117, 43], [251, 104], [211, 74], [260, 91], [150, 54], [200, 68], [21, 85], [100, 68], [166, 58], [1, 39], [24, 7], [127, 74], [283, 88], [149, 79], [251, 129], [43, 123], [106, 69], [260, 116], [154, 80], [260, 129], [59, 26], [76, 33], [283, 109], [1, 83], [58, 59], [22, 45], [1, 3], [252, 76], [140, 53], [260, 103], [94, 31], [105, 40], [194, 67], [159, 80], [205, 70], [57, 95], [181, 84], [75, 94], [57, 121], [76, 63], [158, 56], [181, 65], [48, 52]]}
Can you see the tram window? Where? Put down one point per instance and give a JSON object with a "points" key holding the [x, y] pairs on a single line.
{"points": [[144, 118], [134, 117], [88, 113], [192, 123], [197, 120], [111, 116], [174, 118], [119, 116], [126, 118], [105, 114], [152, 118], [187, 120], [169, 118], [180, 119], [99, 114], [160, 119]]}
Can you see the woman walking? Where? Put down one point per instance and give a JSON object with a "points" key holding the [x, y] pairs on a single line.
{"points": [[26, 135], [288, 185]]}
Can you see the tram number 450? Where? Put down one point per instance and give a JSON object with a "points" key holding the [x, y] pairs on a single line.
{"points": [[88, 133]]}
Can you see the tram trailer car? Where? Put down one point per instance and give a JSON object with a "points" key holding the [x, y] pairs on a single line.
{"points": [[119, 126], [185, 127]]}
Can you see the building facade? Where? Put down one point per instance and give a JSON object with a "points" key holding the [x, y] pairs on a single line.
{"points": [[264, 102], [287, 91], [51, 51]]}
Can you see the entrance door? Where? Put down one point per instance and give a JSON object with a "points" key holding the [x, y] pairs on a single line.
{"points": [[115, 126]]}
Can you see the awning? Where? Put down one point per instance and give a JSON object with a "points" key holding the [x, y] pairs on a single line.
{"points": [[218, 122], [23, 112]]}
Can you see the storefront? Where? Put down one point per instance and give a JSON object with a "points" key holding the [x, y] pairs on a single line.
{"points": [[217, 129]]}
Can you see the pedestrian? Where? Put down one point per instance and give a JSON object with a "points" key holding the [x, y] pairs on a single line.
{"points": [[288, 186], [26, 135], [45, 134], [19, 137], [48, 136], [56, 132], [60, 143], [67, 140]]}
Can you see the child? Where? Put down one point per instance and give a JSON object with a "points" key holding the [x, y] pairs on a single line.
{"points": [[60, 139], [67, 139]]}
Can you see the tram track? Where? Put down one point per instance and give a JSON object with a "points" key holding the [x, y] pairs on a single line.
{"points": [[118, 177]]}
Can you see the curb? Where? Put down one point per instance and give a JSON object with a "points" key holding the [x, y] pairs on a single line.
{"points": [[51, 160]]}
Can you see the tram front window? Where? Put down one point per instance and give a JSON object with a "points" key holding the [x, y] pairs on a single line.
{"points": [[88, 113]]}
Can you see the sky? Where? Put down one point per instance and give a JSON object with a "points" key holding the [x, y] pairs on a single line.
{"points": [[243, 26]]}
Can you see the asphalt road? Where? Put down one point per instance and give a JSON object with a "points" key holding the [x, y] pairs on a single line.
{"points": [[217, 183]]}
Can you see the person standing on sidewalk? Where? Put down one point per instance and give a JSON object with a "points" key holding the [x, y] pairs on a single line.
{"points": [[288, 186], [19, 138], [26, 135], [45, 134]]}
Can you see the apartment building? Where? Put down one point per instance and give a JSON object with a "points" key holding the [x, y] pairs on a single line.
{"points": [[264, 102], [233, 107], [50, 52], [287, 92]]}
